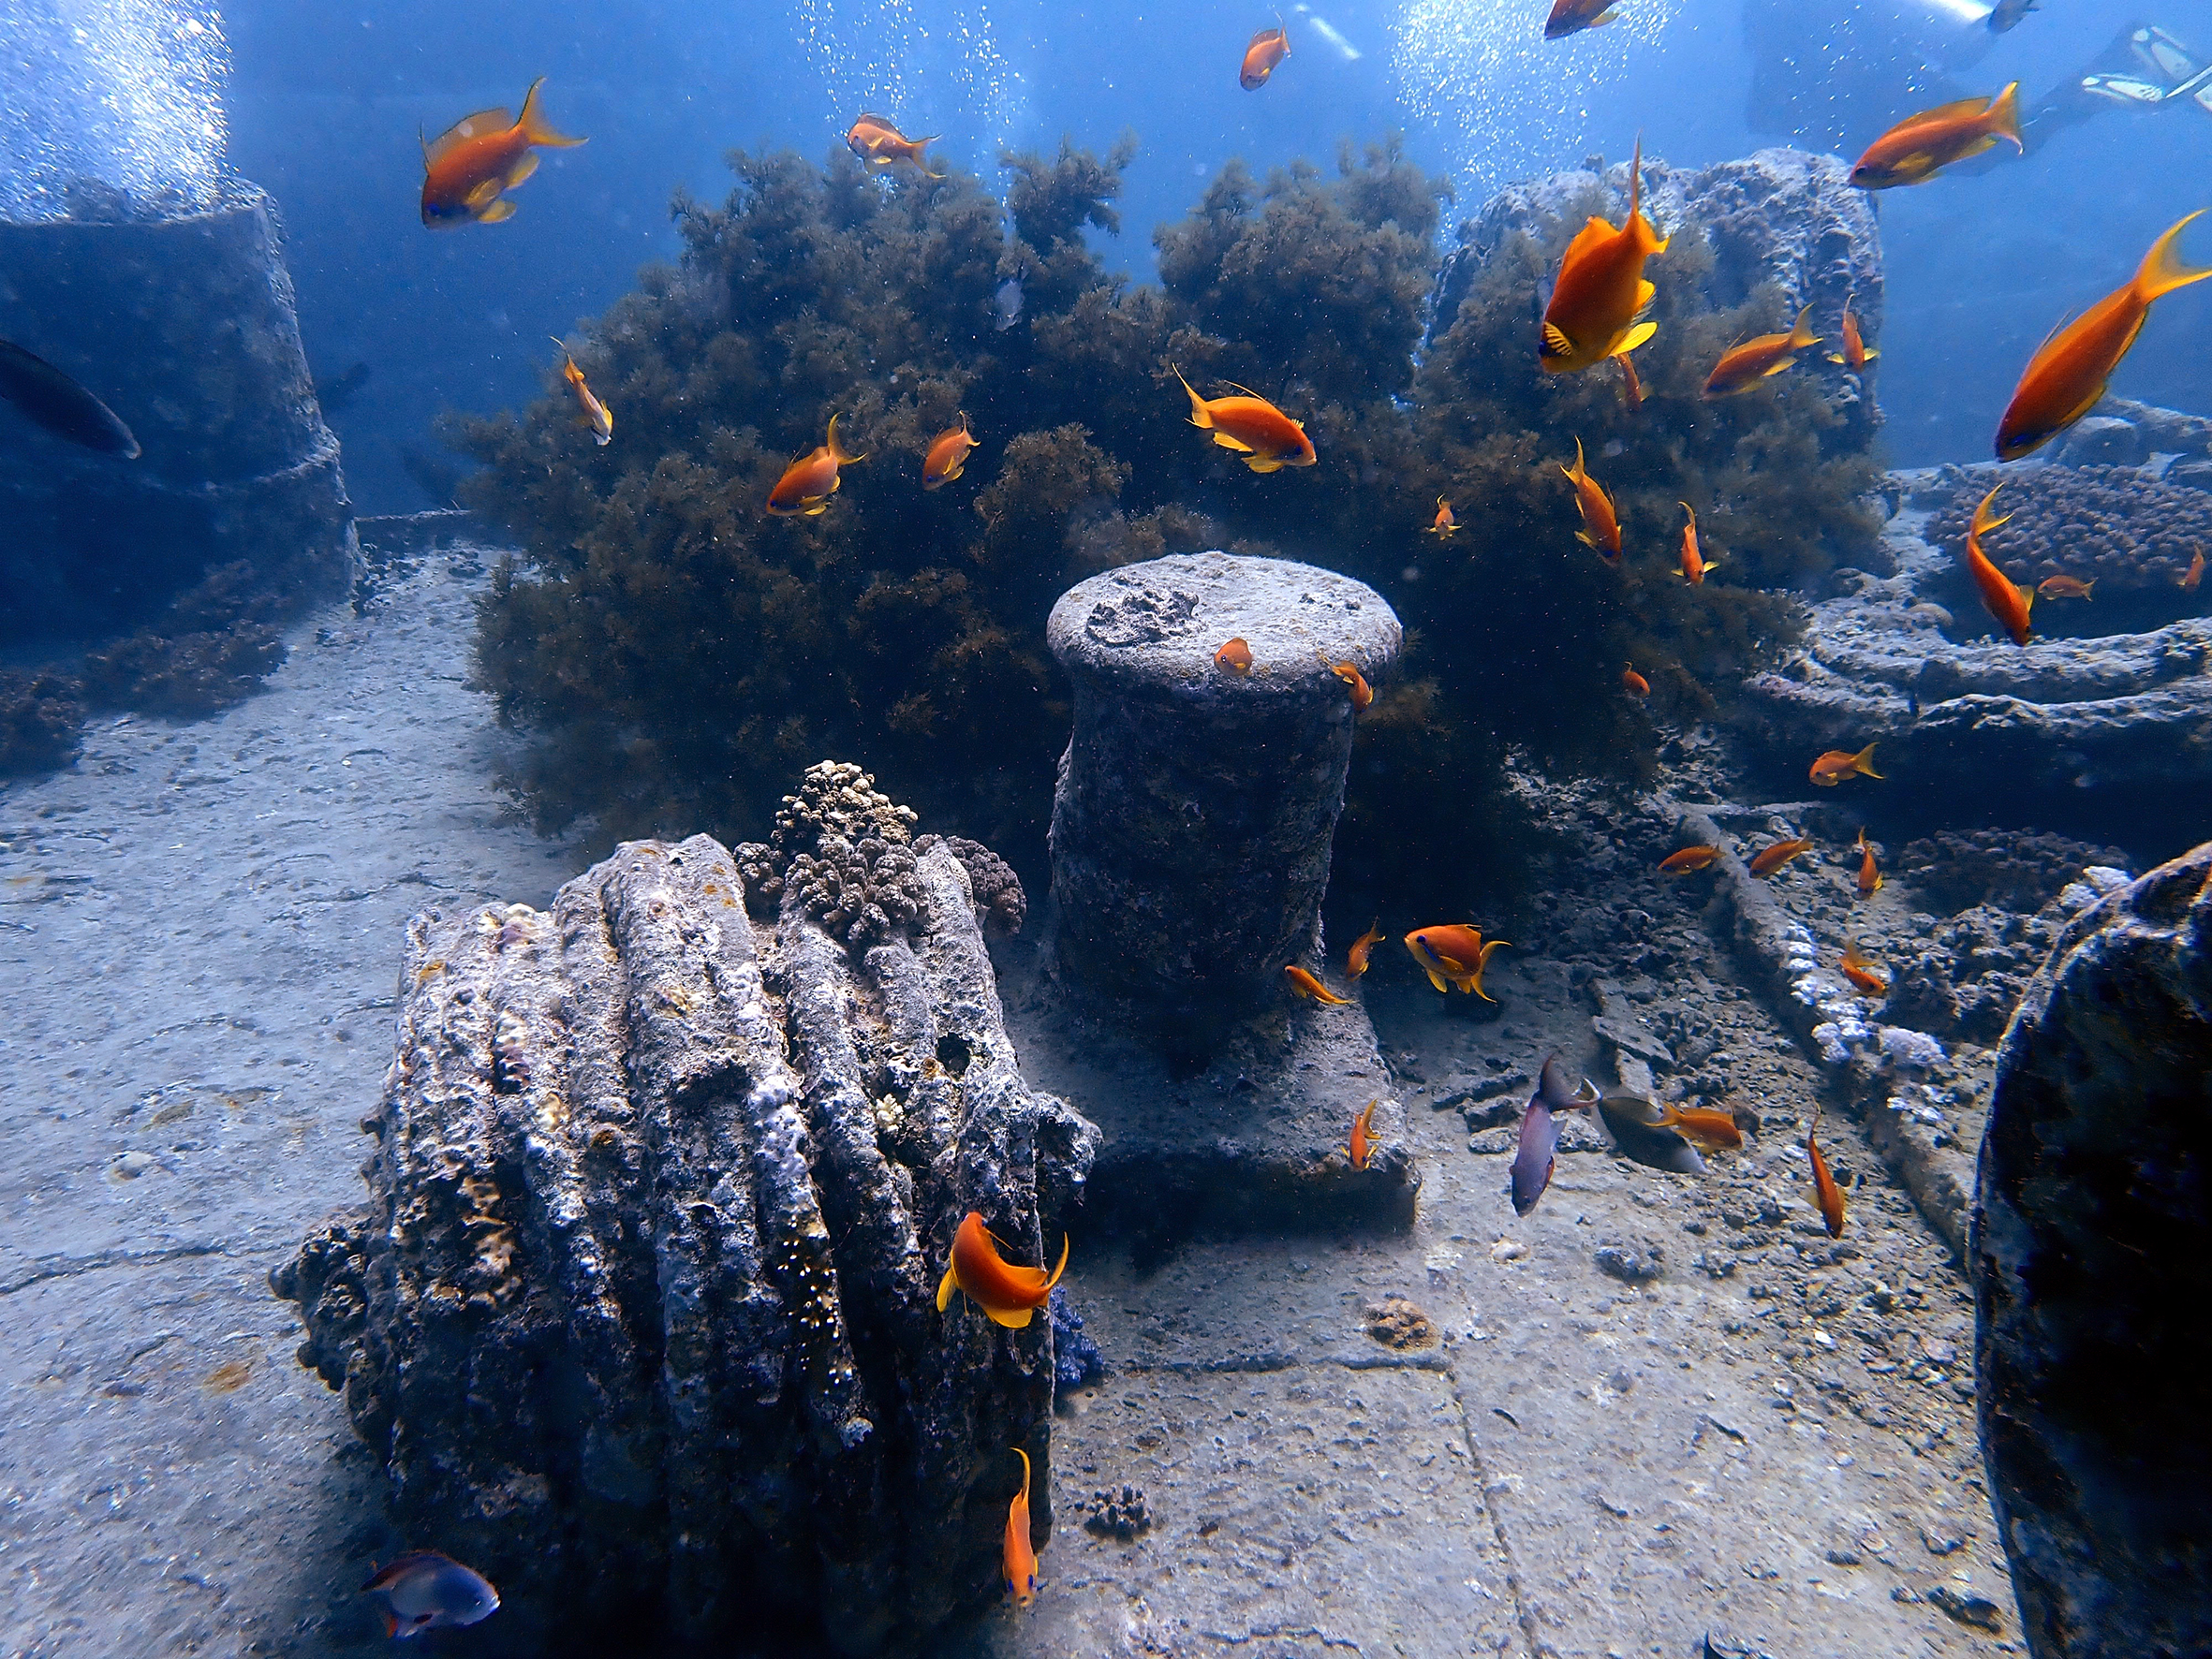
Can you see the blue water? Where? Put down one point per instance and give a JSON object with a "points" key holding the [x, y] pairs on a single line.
{"points": [[325, 104]]}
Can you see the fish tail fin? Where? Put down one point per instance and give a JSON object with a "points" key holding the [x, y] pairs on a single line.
{"points": [[921, 161], [533, 122], [945, 1286], [838, 453], [1984, 523], [2090, 590], [2162, 271], [1024, 1457], [1198, 417], [1062, 1268], [1863, 762], [2003, 115], [1802, 335], [1691, 511], [1636, 181], [1580, 472]]}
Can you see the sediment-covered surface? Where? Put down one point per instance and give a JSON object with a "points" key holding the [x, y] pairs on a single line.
{"points": [[1771, 1445]]}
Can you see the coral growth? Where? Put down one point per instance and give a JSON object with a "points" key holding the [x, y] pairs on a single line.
{"points": [[41, 715], [845, 847], [672, 649], [1122, 1515], [2116, 524], [2014, 869], [1396, 1323], [1001, 905]]}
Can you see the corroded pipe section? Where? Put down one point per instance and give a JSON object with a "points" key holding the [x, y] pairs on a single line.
{"points": [[2091, 1258], [1196, 803], [640, 1318]]}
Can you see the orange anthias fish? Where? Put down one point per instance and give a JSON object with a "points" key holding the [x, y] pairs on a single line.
{"points": [[1690, 858], [1363, 1144], [1303, 984], [882, 146], [1771, 857], [1631, 389], [1355, 960], [1825, 1192], [590, 411], [1694, 563], [1854, 355], [1361, 693], [1269, 48], [1921, 145], [2067, 587], [469, 165], [808, 482], [1019, 1563], [2005, 600], [1715, 1131], [1234, 657], [1571, 17], [1742, 367], [1445, 523], [1837, 765], [1633, 683], [1453, 955], [948, 454], [1600, 288], [2064, 380], [1869, 875], [1265, 437], [2195, 573], [1860, 971], [1006, 1293], [1600, 530]]}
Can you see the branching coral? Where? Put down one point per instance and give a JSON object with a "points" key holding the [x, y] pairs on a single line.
{"points": [[674, 650]]}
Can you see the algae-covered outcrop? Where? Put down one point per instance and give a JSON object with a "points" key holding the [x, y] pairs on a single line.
{"points": [[674, 651]]}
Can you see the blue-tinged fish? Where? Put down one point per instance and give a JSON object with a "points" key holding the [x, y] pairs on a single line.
{"points": [[1006, 302], [53, 400], [426, 1591], [1531, 1170], [1640, 1131]]}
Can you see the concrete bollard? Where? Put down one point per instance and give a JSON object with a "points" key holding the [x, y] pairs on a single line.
{"points": [[1192, 824]]}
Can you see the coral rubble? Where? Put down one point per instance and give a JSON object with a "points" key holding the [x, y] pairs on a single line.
{"points": [[908, 626], [640, 1316]]}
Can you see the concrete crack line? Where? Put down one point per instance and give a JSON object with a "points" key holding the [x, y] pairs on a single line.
{"points": [[1278, 1632], [1522, 1610], [67, 1267]]}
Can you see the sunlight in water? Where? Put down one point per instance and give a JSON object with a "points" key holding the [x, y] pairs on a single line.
{"points": [[1512, 103], [931, 65], [124, 93]]}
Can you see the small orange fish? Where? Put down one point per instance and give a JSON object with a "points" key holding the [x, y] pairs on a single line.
{"points": [[1920, 146], [1453, 955], [1825, 1192], [1363, 1145], [1355, 960], [1854, 355], [1600, 289], [1600, 530], [1571, 17], [469, 166], [1361, 693], [1742, 367], [2196, 572], [1269, 48], [1007, 1294], [881, 144], [1771, 857], [1633, 683], [1860, 971], [2067, 587], [2064, 379], [590, 411], [1306, 986], [2006, 600], [1836, 765], [1254, 429], [1690, 858], [948, 454], [1694, 563], [1631, 389], [1020, 1560], [1869, 876], [1234, 657], [1446, 524], [808, 482], [1715, 1131]]}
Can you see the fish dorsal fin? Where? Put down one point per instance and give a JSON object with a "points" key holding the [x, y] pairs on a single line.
{"points": [[1974, 106], [882, 121], [1597, 229], [1248, 391], [1636, 181], [470, 126]]}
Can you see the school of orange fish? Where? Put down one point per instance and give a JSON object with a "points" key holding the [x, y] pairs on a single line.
{"points": [[1595, 315]]}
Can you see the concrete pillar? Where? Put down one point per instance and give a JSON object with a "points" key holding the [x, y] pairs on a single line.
{"points": [[1192, 824]]}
